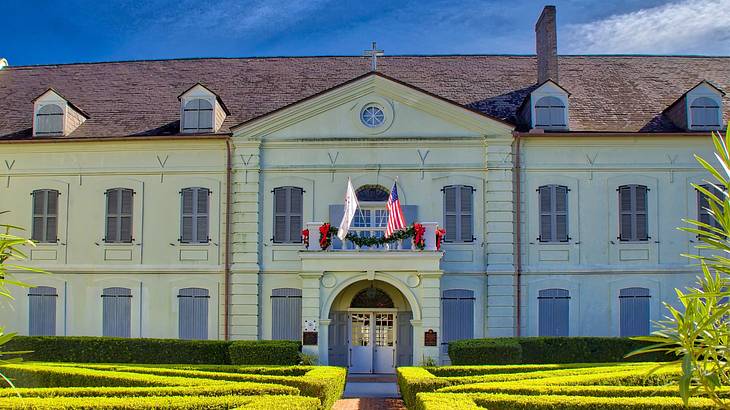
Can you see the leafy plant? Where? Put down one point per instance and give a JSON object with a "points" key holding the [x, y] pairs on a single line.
{"points": [[306, 359], [697, 333], [11, 250]]}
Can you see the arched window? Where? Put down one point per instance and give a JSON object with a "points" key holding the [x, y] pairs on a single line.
{"points": [[42, 311], [286, 314], [554, 312], [372, 193], [372, 297], [634, 308], [198, 116], [704, 112], [457, 316], [117, 312], [549, 112], [49, 120]]}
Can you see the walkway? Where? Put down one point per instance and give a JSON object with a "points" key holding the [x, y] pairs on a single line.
{"points": [[370, 392]]}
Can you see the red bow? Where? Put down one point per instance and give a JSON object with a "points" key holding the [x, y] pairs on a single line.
{"points": [[324, 236], [440, 233], [305, 237], [419, 230]]}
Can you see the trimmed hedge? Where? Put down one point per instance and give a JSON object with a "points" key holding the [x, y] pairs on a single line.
{"points": [[414, 380], [537, 350], [172, 402], [83, 349], [438, 401], [272, 352], [228, 389]]}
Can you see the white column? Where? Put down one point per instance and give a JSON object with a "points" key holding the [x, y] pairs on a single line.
{"points": [[310, 307], [429, 237], [324, 353], [430, 314], [314, 236]]}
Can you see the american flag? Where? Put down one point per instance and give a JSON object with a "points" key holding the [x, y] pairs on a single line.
{"points": [[395, 214]]}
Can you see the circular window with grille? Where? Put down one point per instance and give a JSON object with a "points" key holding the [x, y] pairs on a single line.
{"points": [[372, 116]]}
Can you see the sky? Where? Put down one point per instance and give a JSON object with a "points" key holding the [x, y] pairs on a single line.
{"points": [[53, 32]]}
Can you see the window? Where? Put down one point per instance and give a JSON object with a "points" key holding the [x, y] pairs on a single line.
{"points": [[194, 227], [634, 307], [549, 112], [372, 193], [117, 312], [634, 224], [193, 313], [554, 312], [553, 213], [119, 215], [704, 113], [372, 116], [49, 120], [288, 212], [286, 314], [457, 316], [458, 213], [42, 311], [198, 116], [45, 216], [703, 206]]}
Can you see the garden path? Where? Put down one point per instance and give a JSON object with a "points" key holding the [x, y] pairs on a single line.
{"points": [[370, 392]]}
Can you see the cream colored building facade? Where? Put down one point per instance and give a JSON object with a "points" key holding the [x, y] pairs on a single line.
{"points": [[111, 199]]}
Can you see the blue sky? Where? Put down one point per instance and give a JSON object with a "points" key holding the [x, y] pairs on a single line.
{"points": [[42, 32]]}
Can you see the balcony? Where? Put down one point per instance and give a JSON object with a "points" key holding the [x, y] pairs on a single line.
{"points": [[403, 246]]}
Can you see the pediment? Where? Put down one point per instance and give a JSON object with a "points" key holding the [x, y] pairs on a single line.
{"points": [[406, 112]]}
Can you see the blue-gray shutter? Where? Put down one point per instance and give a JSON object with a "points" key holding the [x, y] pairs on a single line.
{"points": [[336, 212], [466, 213], [288, 214], [195, 204], [410, 213], [554, 312], [634, 308], [50, 120], [42, 311], [633, 213], [193, 313], [286, 314], [119, 204], [117, 312], [703, 206], [553, 203], [450, 213], [459, 213], [45, 216], [338, 336], [457, 316], [404, 340]]}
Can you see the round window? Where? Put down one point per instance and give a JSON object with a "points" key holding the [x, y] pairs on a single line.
{"points": [[372, 116]]}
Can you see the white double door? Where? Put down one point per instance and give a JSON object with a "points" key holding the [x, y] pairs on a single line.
{"points": [[372, 342]]}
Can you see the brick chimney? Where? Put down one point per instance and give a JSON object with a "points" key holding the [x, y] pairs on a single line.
{"points": [[546, 45]]}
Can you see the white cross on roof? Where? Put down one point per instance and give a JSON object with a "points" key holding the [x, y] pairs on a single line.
{"points": [[374, 53]]}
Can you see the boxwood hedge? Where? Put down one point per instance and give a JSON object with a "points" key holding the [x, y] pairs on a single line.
{"points": [[543, 350], [281, 352]]}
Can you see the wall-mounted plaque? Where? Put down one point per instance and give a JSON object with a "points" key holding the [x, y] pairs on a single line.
{"points": [[430, 338], [309, 338]]}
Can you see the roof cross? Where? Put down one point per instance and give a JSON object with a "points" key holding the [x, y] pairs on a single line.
{"points": [[373, 53]]}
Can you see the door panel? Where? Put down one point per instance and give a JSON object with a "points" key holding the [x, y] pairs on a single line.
{"points": [[338, 347], [361, 348], [384, 346], [404, 339]]}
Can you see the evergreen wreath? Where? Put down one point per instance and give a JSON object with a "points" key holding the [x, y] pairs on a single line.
{"points": [[415, 231]]}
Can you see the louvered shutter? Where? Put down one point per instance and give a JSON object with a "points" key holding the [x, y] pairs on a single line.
{"points": [[280, 214], [191, 111], [626, 226], [450, 213], [193, 313], [457, 316], [286, 314], [112, 215], [202, 224], [641, 212], [553, 312], [634, 310], [205, 115], [119, 205], [466, 206], [188, 215], [561, 213], [117, 312], [546, 214], [295, 215], [45, 216], [42, 311], [125, 222]]}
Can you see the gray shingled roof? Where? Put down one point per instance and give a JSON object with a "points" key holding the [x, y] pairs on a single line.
{"points": [[608, 93]]}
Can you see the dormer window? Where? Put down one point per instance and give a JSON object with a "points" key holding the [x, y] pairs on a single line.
{"points": [[704, 113], [549, 113], [198, 116], [201, 110], [49, 120]]}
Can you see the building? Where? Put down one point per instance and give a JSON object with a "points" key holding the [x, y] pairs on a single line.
{"points": [[168, 198]]}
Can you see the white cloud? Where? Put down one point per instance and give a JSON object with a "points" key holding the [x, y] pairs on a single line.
{"points": [[681, 27]]}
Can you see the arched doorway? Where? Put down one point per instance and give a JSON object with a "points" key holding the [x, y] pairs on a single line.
{"points": [[370, 329]]}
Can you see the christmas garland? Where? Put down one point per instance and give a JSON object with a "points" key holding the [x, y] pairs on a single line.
{"points": [[415, 231]]}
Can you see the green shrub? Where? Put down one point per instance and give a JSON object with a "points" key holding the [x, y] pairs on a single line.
{"points": [[228, 389], [276, 352], [485, 351], [414, 380], [516, 402], [460, 371], [84, 349], [544, 350], [170, 402], [519, 388]]}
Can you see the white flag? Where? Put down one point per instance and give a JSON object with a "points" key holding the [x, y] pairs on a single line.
{"points": [[350, 209]]}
